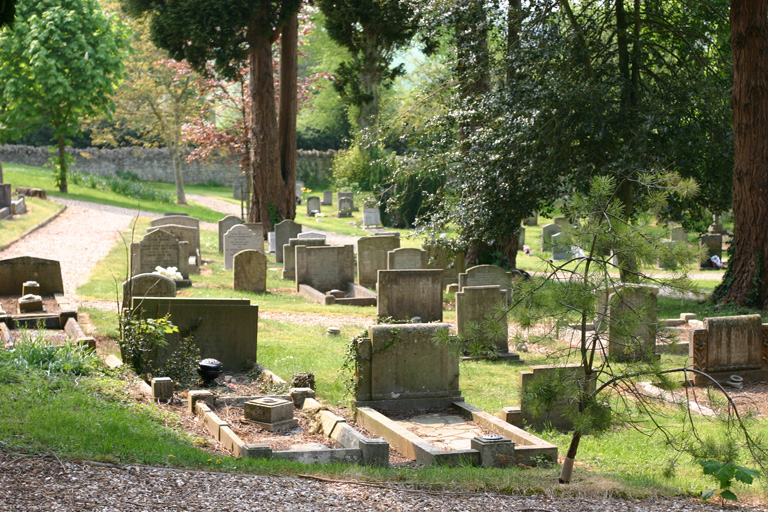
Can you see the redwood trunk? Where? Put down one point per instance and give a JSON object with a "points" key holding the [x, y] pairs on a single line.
{"points": [[266, 176], [289, 69], [749, 101]]}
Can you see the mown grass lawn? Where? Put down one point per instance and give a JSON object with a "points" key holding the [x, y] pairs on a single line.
{"points": [[39, 211]]}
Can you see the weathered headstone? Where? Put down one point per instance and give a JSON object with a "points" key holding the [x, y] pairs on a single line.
{"points": [[730, 345], [487, 275], [546, 236], [313, 205], [284, 231], [289, 253], [147, 285], [561, 251], [406, 258], [713, 246], [250, 271], [401, 367], [271, 241], [258, 230], [346, 206], [404, 294], [478, 304], [631, 316], [223, 329], [372, 257], [563, 222], [14, 272], [224, 225], [325, 268], [371, 216], [678, 234], [239, 238], [240, 191], [343, 195], [187, 234], [5, 195], [311, 235], [327, 198], [159, 249], [450, 262], [533, 220], [177, 220]]}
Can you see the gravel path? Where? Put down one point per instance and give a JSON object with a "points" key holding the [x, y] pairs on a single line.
{"points": [[44, 484], [78, 238]]}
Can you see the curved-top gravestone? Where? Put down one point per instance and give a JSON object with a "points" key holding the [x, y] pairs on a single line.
{"points": [[372, 257], [284, 231], [147, 285], [225, 225]]}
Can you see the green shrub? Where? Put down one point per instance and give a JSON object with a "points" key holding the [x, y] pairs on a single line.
{"points": [[33, 352]]}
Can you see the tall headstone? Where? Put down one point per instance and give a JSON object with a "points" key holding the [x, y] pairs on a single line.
{"points": [[487, 275], [147, 285], [258, 230], [533, 220], [325, 268], [327, 198], [404, 294], [187, 234], [224, 225], [401, 367], [546, 236], [239, 238], [304, 235], [271, 242], [450, 262], [713, 246], [342, 195], [478, 304], [406, 258], [561, 251], [5, 195], [289, 253], [284, 231], [372, 257], [371, 216], [250, 271], [313, 205], [631, 315], [678, 234], [159, 249], [346, 206]]}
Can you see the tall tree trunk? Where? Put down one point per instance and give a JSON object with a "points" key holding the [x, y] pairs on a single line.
{"points": [[288, 108], [266, 175], [370, 78], [749, 100], [62, 171], [181, 197]]}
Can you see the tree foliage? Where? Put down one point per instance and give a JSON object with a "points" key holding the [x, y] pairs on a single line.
{"points": [[60, 63]]}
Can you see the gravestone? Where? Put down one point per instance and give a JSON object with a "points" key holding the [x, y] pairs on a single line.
{"points": [[240, 191], [406, 258], [630, 313], [5, 195], [327, 198], [478, 304], [487, 275], [147, 285], [185, 234], [271, 241], [345, 195], [258, 230], [533, 220], [289, 253], [177, 220], [713, 246], [546, 236], [239, 238], [159, 249], [450, 262], [678, 234], [371, 216], [561, 251], [314, 235], [224, 225], [404, 294], [730, 345], [562, 222], [346, 207], [325, 268], [401, 367], [313, 205], [250, 271], [284, 231], [223, 329], [299, 186], [372, 257], [14, 272]]}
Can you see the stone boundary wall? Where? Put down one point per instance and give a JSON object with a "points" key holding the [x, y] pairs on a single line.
{"points": [[155, 163]]}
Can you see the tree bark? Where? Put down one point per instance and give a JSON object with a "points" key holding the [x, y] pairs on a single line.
{"points": [[370, 80], [288, 108], [62, 164], [181, 197], [749, 101]]}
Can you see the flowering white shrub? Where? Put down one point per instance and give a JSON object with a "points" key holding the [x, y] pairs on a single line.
{"points": [[170, 272]]}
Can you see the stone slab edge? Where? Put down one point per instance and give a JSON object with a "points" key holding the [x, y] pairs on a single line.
{"points": [[35, 228], [527, 445]]}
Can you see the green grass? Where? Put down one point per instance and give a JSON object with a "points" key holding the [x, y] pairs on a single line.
{"points": [[38, 211], [38, 177]]}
